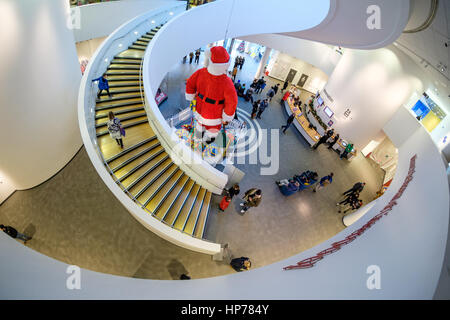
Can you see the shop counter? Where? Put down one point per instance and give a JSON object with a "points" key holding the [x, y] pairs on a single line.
{"points": [[301, 123]]}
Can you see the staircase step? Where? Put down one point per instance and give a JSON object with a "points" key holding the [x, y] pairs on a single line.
{"points": [[135, 47], [126, 61], [130, 173], [122, 89], [171, 198], [147, 151], [203, 218], [117, 97], [124, 119], [174, 211], [183, 216], [156, 184], [116, 66], [148, 185], [124, 112], [195, 212], [123, 72], [138, 145], [122, 103], [158, 199]]}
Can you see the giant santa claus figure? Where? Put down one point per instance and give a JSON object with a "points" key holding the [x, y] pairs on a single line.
{"points": [[214, 93]]}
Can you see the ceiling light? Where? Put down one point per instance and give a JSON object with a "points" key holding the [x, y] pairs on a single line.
{"points": [[153, 21], [171, 13]]}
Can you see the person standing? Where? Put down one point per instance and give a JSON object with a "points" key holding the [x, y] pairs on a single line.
{"points": [[351, 197], [184, 59], [260, 84], [255, 108], [102, 85], [347, 150], [115, 129], [233, 191], [13, 233], [270, 94], [252, 198], [262, 106], [191, 56], [288, 123], [242, 63], [275, 88], [285, 85], [357, 187], [333, 141], [324, 138], [249, 95], [286, 96], [197, 56], [324, 182], [241, 264], [233, 74], [355, 205]]}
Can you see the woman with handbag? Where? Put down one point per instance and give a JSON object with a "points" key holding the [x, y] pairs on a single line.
{"points": [[116, 131]]}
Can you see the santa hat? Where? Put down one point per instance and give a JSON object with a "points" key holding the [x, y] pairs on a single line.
{"points": [[218, 60]]}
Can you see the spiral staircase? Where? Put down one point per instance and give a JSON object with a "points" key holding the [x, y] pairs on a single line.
{"points": [[143, 169]]}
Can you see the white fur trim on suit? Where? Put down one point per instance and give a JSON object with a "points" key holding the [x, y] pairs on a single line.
{"points": [[207, 122], [226, 117], [217, 69], [190, 96]]}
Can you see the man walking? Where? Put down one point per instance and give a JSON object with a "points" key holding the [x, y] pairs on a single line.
{"points": [[241, 64], [357, 187], [288, 123], [324, 182], [262, 106], [270, 94], [275, 88], [13, 233], [286, 83], [333, 142], [197, 56], [324, 138], [102, 85], [252, 198], [191, 56]]}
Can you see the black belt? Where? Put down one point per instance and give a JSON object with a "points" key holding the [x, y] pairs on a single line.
{"points": [[208, 100]]}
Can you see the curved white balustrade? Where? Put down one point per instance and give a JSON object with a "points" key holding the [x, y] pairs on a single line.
{"points": [[407, 245], [114, 44]]}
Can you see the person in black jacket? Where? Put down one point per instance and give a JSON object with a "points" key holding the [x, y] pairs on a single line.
{"points": [[13, 233], [241, 264], [357, 187], [288, 123], [233, 191], [333, 142], [286, 83]]}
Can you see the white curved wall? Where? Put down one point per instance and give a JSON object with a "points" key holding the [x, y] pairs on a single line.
{"points": [[101, 19], [372, 85], [347, 24], [408, 245], [39, 78]]}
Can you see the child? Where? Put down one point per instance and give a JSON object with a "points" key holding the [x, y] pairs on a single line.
{"points": [[224, 203]]}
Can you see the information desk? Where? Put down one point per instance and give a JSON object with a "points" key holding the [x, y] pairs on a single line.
{"points": [[311, 135], [302, 124]]}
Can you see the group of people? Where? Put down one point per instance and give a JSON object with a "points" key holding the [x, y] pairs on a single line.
{"points": [[239, 62], [351, 201], [303, 181], [252, 198], [191, 57], [331, 139]]}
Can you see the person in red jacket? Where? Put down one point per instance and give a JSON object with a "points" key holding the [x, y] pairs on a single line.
{"points": [[215, 95]]}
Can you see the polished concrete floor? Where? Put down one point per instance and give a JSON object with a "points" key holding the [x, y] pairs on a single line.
{"points": [[74, 218]]}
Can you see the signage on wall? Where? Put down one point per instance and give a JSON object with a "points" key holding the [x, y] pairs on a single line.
{"points": [[330, 123], [347, 113]]}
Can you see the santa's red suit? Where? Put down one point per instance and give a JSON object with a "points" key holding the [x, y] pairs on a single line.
{"points": [[214, 92]]}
